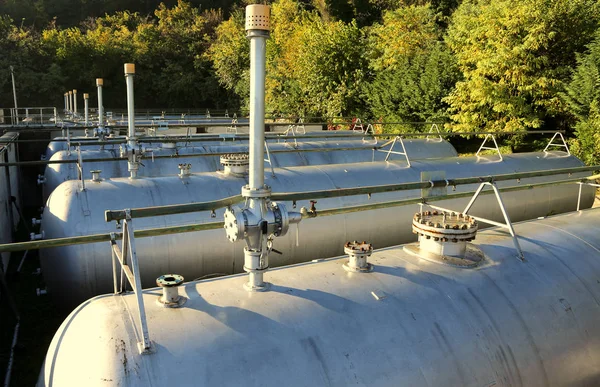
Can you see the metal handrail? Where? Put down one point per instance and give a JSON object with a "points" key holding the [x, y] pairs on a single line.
{"points": [[152, 232], [175, 156], [172, 209]]}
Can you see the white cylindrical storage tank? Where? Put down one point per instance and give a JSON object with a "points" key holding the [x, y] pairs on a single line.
{"points": [[74, 273], [55, 174], [409, 322]]}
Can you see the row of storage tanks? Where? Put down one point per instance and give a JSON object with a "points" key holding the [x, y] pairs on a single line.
{"points": [[505, 322], [75, 273]]}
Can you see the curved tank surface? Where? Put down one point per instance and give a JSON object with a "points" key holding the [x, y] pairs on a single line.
{"points": [[409, 322], [60, 144], [57, 173], [74, 273]]}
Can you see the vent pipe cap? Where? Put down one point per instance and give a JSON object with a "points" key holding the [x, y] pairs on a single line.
{"points": [[129, 68], [99, 82], [258, 17]]}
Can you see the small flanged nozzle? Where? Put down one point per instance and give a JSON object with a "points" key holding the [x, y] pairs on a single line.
{"points": [[358, 252], [185, 169], [96, 175], [170, 297]]}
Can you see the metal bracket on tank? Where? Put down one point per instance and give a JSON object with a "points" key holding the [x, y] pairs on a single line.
{"points": [[295, 129], [370, 130], [80, 167], [358, 126], [495, 147], [507, 225], [392, 151], [581, 184], [131, 272], [233, 127], [437, 130], [268, 159], [563, 145]]}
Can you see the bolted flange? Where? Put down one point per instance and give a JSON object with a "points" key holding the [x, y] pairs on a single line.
{"points": [[236, 223], [358, 252], [258, 193], [235, 163], [444, 237], [184, 170]]}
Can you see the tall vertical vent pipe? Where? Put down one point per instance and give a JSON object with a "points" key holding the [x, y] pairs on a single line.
{"points": [[257, 27], [86, 108], [261, 220], [66, 97], [99, 84], [74, 101], [71, 101], [131, 139]]}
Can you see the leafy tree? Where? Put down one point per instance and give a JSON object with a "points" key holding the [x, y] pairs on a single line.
{"points": [[229, 56], [328, 71], [314, 67], [584, 88], [412, 69], [583, 98], [34, 76], [586, 144], [171, 57], [168, 50], [515, 57]]}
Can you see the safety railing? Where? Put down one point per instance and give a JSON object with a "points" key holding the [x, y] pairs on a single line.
{"points": [[27, 116]]}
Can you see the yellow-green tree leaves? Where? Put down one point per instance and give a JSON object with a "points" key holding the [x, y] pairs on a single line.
{"points": [[514, 57], [412, 69], [314, 67]]}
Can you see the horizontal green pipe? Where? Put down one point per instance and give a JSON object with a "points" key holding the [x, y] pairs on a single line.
{"points": [[96, 238], [403, 202], [172, 209], [309, 195], [177, 156]]}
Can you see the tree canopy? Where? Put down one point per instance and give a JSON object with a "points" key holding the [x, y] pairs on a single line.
{"points": [[514, 57], [477, 65]]}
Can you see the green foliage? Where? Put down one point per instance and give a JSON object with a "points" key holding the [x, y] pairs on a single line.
{"points": [[313, 67], [586, 144], [229, 56], [34, 76], [168, 50], [412, 69], [515, 57], [584, 88], [329, 70], [583, 98], [69, 13]]}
